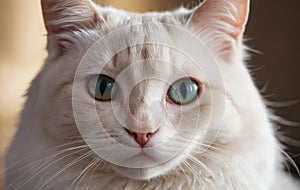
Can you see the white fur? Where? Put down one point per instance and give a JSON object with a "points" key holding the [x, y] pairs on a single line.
{"points": [[49, 153]]}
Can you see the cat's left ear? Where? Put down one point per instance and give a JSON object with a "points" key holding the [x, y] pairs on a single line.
{"points": [[222, 24]]}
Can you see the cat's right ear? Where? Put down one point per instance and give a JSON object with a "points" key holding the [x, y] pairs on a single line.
{"points": [[64, 17]]}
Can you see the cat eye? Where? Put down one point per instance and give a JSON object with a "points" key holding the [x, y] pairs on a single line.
{"points": [[184, 91], [102, 88]]}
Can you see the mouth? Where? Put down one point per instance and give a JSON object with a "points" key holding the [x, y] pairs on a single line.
{"points": [[141, 160]]}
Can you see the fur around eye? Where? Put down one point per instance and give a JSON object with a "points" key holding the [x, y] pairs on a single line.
{"points": [[102, 87], [184, 91]]}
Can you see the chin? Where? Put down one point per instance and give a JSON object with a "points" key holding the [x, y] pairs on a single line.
{"points": [[138, 173], [144, 173], [149, 164]]}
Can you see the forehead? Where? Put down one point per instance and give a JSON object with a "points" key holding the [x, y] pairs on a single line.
{"points": [[140, 45], [151, 60], [137, 40]]}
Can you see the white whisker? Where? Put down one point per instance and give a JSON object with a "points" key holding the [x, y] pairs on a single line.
{"points": [[86, 155]]}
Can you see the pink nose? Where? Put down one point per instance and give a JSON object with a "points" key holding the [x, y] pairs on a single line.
{"points": [[141, 138]]}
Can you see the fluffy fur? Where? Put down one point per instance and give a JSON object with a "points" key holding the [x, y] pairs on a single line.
{"points": [[48, 151]]}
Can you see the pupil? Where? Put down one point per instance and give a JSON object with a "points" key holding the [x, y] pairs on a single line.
{"points": [[183, 90], [103, 87]]}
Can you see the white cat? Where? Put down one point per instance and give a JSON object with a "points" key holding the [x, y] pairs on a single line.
{"points": [[145, 101]]}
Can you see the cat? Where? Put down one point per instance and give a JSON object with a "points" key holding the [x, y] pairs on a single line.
{"points": [[160, 100]]}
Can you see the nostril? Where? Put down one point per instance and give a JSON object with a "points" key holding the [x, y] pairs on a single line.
{"points": [[149, 135], [134, 135]]}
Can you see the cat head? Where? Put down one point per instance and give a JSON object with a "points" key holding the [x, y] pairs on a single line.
{"points": [[147, 92]]}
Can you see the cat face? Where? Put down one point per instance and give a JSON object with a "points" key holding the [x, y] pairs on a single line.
{"points": [[146, 92]]}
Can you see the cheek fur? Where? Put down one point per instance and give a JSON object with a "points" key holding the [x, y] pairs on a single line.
{"points": [[232, 126]]}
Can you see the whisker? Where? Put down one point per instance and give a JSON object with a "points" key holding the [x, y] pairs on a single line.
{"points": [[86, 155], [84, 172], [48, 156], [84, 176], [40, 169], [199, 163], [48, 150], [94, 170], [184, 172], [192, 170]]}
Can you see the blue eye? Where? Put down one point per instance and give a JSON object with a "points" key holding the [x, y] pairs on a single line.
{"points": [[184, 91], [102, 88]]}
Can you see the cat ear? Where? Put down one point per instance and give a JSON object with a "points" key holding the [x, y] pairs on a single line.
{"points": [[67, 16], [222, 24]]}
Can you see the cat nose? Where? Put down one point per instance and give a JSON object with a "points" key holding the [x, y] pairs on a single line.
{"points": [[141, 138]]}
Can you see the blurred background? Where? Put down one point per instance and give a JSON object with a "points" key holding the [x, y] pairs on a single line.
{"points": [[273, 30]]}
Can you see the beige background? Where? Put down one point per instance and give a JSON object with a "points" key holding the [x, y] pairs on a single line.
{"points": [[273, 29], [21, 54]]}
